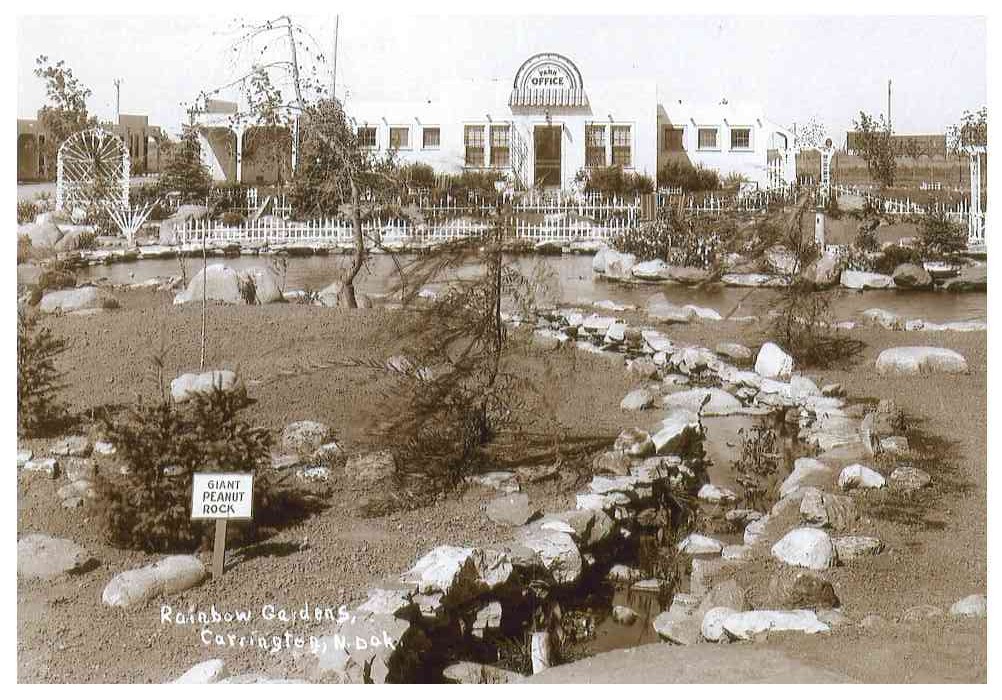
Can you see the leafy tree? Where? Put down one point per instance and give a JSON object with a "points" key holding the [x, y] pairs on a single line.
{"points": [[941, 237], [66, 113], [812, 134], [970, 132], [184, 171], [38, 378], [877, 147]]}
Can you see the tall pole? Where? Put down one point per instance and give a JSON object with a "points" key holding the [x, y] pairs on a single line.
{"points": [[337, 23], [118, 100], [888, 102]]}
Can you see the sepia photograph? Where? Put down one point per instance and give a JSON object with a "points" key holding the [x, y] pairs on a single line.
{"points": [[366, 346]]}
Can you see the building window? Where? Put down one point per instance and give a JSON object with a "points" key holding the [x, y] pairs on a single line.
{"points": [[431, 137], [741, 139], [594, 145], [500, 146], [367, 136], [622, 146], [400, 137], [707, 139], [473, 138], [672, 139]]}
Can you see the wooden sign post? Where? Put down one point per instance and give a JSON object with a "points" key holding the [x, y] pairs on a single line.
{"points": [[221, 497]]}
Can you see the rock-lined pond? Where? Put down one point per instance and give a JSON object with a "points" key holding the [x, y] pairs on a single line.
{"points": [[574, 282]]}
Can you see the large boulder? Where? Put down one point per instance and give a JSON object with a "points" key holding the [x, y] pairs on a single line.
{"points": [[858, 476], [637, 400], [619, 265], [383, 656], [707, 402], [854, 279], [806, 547], [266, 286], [557, 551], [184, 387], [852, 547], [747, 625], [660, 309], [971, 606], [43, 557], [371, 467], [806, 470], [909, 361], [773, 362], [598, 262], [513, 509], [793, 588], [185, 212], [255, 285], [210, 671], [970, 279], [170, 575], [220, 282], [650, 270], [450, 571], [911, 276], [678, 433], [781, 260], [42, 233], [687, 275], [885, 319], [305, 437], [823, 272], [68, 300]]}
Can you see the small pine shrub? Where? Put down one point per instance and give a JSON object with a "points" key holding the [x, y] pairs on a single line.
{"points": [[23, 249], [56, 277], [248, 290], [233, 218], [687, 176], [673, 237], [803, 324], [941, 237], [38, 378], [613, 181], [419, 175], [894, 255], [87, 240], [26, 211], [163, 444]]}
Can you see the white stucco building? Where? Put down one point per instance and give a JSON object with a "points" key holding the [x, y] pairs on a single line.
{"points": [[548, 122]]}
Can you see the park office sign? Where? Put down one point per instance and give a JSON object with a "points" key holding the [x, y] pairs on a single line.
{"points": [[222, 496], [548, 80]]}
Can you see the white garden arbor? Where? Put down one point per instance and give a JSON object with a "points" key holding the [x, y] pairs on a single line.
{"points": [[92, 168]]}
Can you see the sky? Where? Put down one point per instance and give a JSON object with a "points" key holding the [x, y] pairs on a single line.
{"points": [[797, 68]]}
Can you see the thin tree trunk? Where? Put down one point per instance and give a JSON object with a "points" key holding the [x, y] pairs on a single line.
{"points": [[350, 300], [201, 358]]}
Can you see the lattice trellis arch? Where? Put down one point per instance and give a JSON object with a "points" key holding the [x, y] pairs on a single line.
{"points": [[92, 168]]}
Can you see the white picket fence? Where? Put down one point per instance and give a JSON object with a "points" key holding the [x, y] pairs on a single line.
{"points": [[386, 232]]}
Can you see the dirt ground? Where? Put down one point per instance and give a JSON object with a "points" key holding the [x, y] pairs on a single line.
{"points": [[289, 357]]}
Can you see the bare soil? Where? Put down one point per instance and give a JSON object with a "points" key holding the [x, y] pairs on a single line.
{"points": [[292, 359]]}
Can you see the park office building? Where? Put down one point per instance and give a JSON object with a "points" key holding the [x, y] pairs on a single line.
{"points": [[549, 123]]}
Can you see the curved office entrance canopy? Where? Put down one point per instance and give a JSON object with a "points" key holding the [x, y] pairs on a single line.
{"points": [[548, 80]]}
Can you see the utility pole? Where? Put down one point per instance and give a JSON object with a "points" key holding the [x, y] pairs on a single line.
{"points": [[888, 102], [118, 100], [337, 23]]}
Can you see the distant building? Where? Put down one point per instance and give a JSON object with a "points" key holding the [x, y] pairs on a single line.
{"points": [[540, 128], [236, 151], [903, 144], [35, 162], [549, 123]]}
